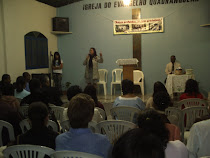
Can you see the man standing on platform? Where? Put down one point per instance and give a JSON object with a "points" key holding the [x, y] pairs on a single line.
{"points": [[172, 66]]}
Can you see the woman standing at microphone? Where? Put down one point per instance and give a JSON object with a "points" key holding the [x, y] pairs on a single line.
{"points": [[57, 66], [91, 62]]}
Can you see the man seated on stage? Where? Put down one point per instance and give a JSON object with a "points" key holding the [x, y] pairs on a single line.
{"points": [[172, 66]]}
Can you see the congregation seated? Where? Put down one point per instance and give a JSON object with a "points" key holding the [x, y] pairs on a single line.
{"points": [[150, 121], [73, 91], [5, 79], [9, 111], [158, 87], [191, 90], [91, 90], [128, 98], [52, 93], [138, 143], [80, 137], [162, 101], [198, 141], [39, 134], [20, 91], [27, 78], [36, 94]]}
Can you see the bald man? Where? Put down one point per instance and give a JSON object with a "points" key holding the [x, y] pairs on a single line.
{"points": [[172, 66]]}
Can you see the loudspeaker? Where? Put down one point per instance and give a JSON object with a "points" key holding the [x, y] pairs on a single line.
{"points": [[60, 24]]}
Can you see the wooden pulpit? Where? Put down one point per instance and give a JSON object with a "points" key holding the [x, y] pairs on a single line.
{"points": [[128, 67]]}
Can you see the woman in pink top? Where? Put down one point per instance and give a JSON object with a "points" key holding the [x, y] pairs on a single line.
{"points": [[191, 90]]}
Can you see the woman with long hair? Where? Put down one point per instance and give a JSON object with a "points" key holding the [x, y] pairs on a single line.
{"points": [[158, 87], [20, 91], [191, 90], [57, 66], [91, 62]]}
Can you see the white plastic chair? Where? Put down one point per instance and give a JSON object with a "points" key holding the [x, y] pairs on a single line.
{"points": [[58, 111], [176, 113], [125, 113], [114, 129], [24, 110], [53, 125], [191, 114], [102, 112], [116, 78], [103, 74], [65, 125], [73, 154], [192, 102], [138, 79], [27, 151], [25, 125], [10, 131]]}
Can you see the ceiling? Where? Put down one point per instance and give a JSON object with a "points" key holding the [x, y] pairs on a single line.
{"points": [[58, 3]]}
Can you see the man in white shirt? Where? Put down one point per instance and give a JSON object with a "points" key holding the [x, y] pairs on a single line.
{"points": [[172, 66], [198, 142]]}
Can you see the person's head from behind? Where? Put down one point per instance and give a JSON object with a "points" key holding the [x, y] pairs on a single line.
{"points": [[93, 52], [20, 84], [127, 87], [56, 56], [27, 76], [161, 101], [72, 91], [38, 114], [137, 143], [45, 81], [91, 90], [6, 79], [173, 58], [80, 110], [8, 90], [151, 122], [159, 87], [34, 85], [191, 87]]}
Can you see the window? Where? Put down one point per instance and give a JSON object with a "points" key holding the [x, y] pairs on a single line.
{"points": [[36, 51]]}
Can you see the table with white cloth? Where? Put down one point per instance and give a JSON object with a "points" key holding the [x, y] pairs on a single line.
{"points": [[176, 83]]}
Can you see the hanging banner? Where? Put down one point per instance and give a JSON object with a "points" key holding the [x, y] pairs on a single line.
{"points": [[138, 26]]}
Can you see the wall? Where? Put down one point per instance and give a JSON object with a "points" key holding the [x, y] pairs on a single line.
{"points": [[182, 37], [2, 41], [21, 17]]}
